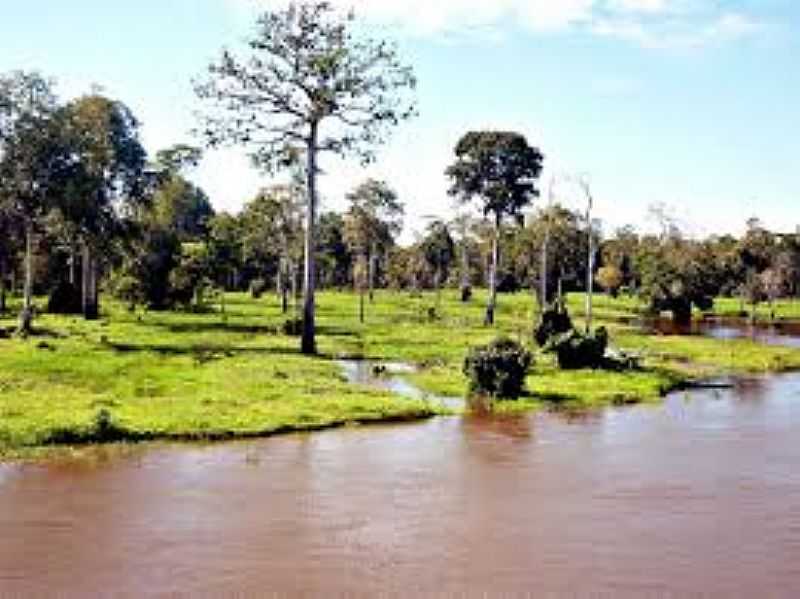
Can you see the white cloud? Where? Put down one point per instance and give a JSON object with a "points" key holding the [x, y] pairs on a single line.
{"points": [[678, 33], [650, 23]]}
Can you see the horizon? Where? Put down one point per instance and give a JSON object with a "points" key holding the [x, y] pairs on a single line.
{"points": [[592, 83]]}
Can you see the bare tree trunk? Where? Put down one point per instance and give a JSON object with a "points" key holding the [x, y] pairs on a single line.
{"points": [[279, 280], [560, 290], [466, 288], [308, 344], [284, 295], [361, 303], [360, 281], [372, 258], [490, 308], [72, 260], [437, 277], [89, 286], [293, 274], [2, 284], [26, 316]]}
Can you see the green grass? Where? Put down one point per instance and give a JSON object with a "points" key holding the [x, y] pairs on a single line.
{"points": [[209, 376]]}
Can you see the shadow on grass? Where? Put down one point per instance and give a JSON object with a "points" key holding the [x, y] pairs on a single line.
{"points": [[200, 352], [245, 329], [200, 327]]}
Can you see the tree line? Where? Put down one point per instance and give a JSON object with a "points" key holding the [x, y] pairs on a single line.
{"points": [[82, 205]]}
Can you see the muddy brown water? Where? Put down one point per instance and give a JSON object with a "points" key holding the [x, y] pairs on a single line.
{"points": [[700, 493], [785, 333]]}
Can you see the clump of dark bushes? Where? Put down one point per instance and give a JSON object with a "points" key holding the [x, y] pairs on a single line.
{"points": [[554, 321], [575, 350], [498, 369]]}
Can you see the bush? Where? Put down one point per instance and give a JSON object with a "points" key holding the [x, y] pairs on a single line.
{"points": [[575, 350], [555, 321], [125, 288], [65, 298], [498, 369], [257, 288]]}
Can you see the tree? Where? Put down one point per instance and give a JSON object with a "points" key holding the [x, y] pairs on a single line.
{"points": [[273, 237], [372, 222], [620, 252], [439, 251], [333, 255], [676, 275], [225, 248], [178, 158], [33, 161], [306, 68], [463, 224], [179, 204], [104, 139], [610, 278], [500, 169]]}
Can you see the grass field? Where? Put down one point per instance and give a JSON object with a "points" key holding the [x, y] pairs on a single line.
{"points": [[148, 375]]}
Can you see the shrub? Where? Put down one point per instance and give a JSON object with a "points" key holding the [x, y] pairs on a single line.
{"points": [[126, 288], [498, 369], [554, 321], [575, 350]]}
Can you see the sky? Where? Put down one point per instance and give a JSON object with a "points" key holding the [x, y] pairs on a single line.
{"points": [[692, 104]]}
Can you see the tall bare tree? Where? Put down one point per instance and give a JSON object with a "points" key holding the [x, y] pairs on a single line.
{"points": [[305, 68]]}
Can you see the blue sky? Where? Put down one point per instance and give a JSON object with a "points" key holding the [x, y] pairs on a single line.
{"points": [[690, 103]]}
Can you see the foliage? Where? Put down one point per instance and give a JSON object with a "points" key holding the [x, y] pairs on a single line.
{"points": [[190, 280], [500, 169], [610, 278], [307, 66], [553, 322], [498, 369], [194, 375], [575, 350], [142, 277], [439, 251]]}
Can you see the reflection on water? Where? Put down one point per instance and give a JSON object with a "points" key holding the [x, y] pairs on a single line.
{"points": [[700, 493], [785, 333], [392, 377]]}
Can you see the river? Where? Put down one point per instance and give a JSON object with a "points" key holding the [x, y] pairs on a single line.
{"points": [[700, 493]]}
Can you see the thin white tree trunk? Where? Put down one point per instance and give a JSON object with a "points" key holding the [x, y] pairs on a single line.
{"points": [[26, 316], [490, 308], [372, 259], [308, 344]]}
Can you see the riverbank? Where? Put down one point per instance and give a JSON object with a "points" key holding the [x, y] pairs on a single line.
{"points": [[145, 376]]}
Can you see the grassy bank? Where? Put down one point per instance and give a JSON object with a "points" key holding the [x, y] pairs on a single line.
{"points": [[212, 376]]}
